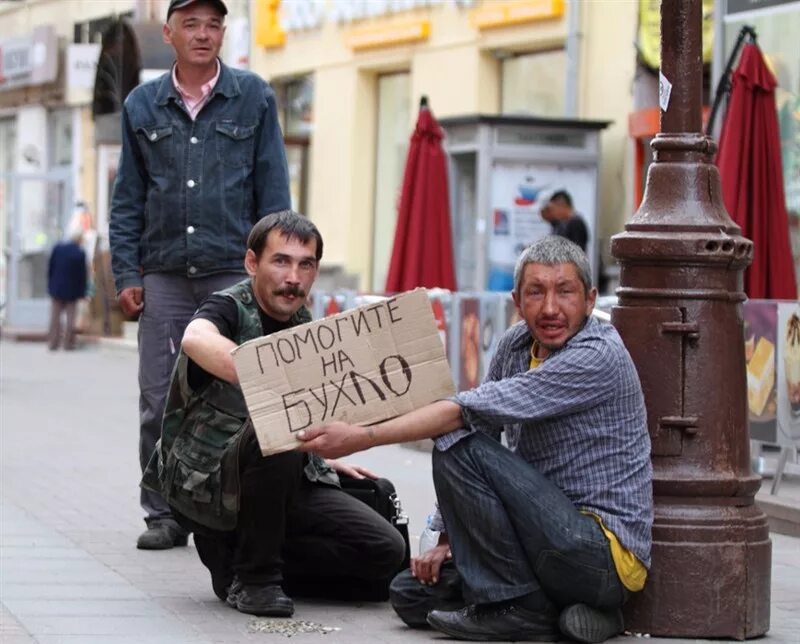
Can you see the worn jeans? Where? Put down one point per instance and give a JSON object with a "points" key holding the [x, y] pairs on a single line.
{"points": [[513, 534], [169, 303]]}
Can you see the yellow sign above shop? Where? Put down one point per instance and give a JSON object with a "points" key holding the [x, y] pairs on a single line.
{"points": [[267, 30], [649, 36], [384, 35], [504, 14]]}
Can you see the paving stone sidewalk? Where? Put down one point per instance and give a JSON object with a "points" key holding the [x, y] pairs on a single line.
{"points": [[69, 518]]}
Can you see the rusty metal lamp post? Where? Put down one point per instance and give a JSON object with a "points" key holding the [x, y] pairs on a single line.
{"points": [[679, 313]]}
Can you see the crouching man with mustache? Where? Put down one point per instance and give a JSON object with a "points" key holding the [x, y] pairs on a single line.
{"points": [[263, 526], [549, 534]]}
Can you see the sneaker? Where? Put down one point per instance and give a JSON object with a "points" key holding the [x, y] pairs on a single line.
{"points": [[162, 535], [496, 622], [263, 601], [583, 623]]}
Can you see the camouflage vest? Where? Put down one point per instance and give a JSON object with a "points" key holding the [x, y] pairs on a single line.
{"points": [[195, 465]]}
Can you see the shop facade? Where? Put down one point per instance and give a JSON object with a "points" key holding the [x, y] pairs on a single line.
{"points": [[350, 74], [54, 152]]}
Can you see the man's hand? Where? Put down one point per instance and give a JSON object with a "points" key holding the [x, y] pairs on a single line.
{"points": [[130, 300], [426, 567], [353, 471], [336, 440]]}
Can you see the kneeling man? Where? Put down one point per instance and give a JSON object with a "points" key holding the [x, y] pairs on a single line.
{"points": [[549, 534], [261, 525]]}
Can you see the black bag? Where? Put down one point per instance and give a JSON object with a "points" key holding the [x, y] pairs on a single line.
{"points": [[380, 495]]}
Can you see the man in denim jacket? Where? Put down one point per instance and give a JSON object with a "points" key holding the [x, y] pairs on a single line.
{"points": [[202, 161]]}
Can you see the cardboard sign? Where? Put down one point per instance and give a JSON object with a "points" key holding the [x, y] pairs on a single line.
{"points": [[362, 366]]}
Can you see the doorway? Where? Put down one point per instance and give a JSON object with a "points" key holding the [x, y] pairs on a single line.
{"points": [[37, 210]]}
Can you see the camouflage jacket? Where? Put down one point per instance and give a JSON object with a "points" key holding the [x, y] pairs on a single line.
{"points": [[195, 465]]}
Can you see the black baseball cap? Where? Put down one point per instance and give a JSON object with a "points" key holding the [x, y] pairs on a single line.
{"points": [[180, 4]]}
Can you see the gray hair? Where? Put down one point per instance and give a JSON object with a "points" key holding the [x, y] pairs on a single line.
{"points": [[74, 231], [552, 250]]}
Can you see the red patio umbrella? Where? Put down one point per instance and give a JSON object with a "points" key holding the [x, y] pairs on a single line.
{"points": [[423, 252], [749, 161]]}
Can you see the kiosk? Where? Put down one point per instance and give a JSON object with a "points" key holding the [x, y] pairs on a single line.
{"points": [[499, 166]]}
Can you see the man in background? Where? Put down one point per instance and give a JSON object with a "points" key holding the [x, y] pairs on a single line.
{"points": [[66, 284], [559, 212]]}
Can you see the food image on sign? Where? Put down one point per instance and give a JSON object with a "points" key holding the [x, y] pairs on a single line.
{"points": [[791, 363], [470, 344], [761, 376], [361, 366]]}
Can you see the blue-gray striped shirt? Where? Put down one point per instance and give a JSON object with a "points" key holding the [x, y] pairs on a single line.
{"points": [[579, 418]]}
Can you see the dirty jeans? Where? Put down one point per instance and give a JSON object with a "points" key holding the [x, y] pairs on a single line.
{"points": [[513, 533], [169, 303]]}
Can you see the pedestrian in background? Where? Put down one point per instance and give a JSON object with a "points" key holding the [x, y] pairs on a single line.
{"points": [[66, 284], [202, 161], [557, 209]]}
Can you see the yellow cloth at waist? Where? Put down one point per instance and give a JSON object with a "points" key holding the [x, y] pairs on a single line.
{"points": [[630, 570]]}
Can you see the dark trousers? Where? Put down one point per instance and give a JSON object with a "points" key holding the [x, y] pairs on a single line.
{"points": [[57, 308], [314, 539], [513, 534], [169, 303]]}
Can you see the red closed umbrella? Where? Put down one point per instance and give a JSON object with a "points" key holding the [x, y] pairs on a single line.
{"points": [[749, 162], [422, 254]]}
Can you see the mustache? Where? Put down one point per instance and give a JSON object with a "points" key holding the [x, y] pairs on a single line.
{"points": [[293, 290]]}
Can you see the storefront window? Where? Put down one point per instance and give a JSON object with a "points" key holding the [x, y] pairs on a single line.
{"points": [[296, 114], [394, 100], [60, 138], [7, 145], [296, 105], [535, 83]]}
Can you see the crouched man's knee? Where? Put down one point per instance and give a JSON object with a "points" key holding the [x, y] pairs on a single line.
{"points": [[387, 551]]}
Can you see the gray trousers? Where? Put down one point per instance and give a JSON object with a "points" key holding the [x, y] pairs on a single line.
{"points": [[169, 303], [57, 307]]}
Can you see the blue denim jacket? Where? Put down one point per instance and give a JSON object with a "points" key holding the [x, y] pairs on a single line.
{"points": [[188, 192]]}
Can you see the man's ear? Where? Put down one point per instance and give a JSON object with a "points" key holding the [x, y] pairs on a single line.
{"points": [[250, 263], [517, 303], [591, 298], [166, 33]]}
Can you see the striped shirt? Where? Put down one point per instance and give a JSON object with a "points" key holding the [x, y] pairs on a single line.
{"points": [[579, 418]]}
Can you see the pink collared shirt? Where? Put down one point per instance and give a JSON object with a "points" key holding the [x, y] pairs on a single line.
{"points": [[195, 103]]}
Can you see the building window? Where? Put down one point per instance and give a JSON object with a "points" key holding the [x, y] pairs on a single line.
{"points": [[60, 138], [394, 105], [296, 115], [535, 83]]}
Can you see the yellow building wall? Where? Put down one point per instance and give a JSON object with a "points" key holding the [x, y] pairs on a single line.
{"points": [[605, 92], [22, 17], [458, 68]]}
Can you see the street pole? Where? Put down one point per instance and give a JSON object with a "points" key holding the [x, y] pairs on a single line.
{"points": [[682, 260]]}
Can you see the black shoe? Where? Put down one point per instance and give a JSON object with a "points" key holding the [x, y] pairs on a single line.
{"points": [[496, 622], [264, 601], [583, 623], [162, 535], [222, 585]]}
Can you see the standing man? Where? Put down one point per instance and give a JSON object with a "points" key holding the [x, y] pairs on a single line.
{"points": [[549, 534], [66, 284], [559, 212], [202, 161]]}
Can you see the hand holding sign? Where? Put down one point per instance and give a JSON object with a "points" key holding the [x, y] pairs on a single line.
{"points": [[364, 365], [336, 440]]}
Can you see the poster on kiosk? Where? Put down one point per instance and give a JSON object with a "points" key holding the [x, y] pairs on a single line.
{"points": [[515, 220]]}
